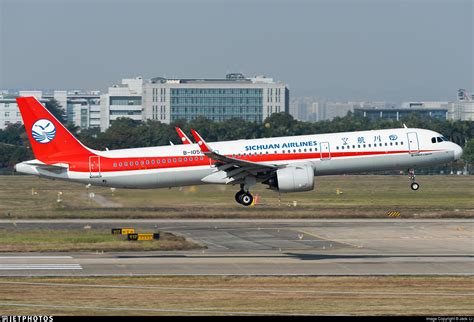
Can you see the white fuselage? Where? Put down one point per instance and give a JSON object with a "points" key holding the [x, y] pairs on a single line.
{"points": [[335, 153]]}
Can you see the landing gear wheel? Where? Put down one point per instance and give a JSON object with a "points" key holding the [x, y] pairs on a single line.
{"points": [[238, 196], [246, 199], [415, 186]]}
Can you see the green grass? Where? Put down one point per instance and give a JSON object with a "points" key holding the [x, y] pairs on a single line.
{"points": [[388, 295], [362, 196], [12, 240]]}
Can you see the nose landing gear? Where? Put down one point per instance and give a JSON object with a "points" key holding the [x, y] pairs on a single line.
{"points": [[414, 185]]}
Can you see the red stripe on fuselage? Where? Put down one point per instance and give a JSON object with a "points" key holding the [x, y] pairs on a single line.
{"points": [[148, 163]]}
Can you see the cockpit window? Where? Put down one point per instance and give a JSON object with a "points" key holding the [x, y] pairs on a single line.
{"points": [[438, 139]]}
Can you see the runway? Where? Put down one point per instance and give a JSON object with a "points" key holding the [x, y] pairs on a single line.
{"points": [[266, 247]]}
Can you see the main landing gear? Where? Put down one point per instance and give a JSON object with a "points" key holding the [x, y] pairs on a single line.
{"points": [[414, 185], [244, 197]]}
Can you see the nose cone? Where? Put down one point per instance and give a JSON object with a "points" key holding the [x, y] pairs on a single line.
{"points": [[457, 152]]}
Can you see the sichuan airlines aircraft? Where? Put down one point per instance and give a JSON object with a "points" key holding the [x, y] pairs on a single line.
{"points": [[285, 164]]}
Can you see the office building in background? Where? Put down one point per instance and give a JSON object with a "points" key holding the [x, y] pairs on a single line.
{"points": [[218, 99]]}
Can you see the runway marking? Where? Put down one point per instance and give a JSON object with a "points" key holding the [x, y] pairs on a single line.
{"points": [[240, 290], [26, 267], [185, 310], [35, 257], [212, 244], [327, 239]]}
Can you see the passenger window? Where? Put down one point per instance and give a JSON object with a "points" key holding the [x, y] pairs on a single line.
{"points": [[202, 158], [391, 143], [152, 161], [120, 164], [401, 143], [115, 165], [142, 162], [396, 143], [358, 145], [337, 148]]}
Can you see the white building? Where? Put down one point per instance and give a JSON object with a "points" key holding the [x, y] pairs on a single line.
{"points": [[9, 112], [303, 108], [123, 100], [462, 110], [82, 108], [252, 99]]}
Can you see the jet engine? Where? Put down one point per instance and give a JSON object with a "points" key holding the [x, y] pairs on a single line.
{"points": [[295, 178]]}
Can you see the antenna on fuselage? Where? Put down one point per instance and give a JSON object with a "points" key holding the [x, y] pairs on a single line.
{"points": [[171, 143], [404, 125]]}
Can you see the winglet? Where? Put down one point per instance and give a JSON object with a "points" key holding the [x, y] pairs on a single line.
{"points": [[200, 141], [184, 138]]}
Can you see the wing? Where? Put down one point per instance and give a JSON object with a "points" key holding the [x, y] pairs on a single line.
{"points": [[233, 170], [184, 138]]}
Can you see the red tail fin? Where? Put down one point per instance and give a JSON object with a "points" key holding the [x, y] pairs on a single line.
{"points": [[50, 140]]}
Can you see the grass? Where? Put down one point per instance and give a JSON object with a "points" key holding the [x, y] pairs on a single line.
{"points": [[364, 196], [87, 240], [400, 295]]}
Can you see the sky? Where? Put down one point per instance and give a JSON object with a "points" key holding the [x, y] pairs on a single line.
{"points": [[335, 49]]}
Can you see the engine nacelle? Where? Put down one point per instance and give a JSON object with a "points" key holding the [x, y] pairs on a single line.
{"points": [[296, 178]]}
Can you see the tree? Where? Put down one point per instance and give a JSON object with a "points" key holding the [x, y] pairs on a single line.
{"points": [[57, 110], [468, 154]]}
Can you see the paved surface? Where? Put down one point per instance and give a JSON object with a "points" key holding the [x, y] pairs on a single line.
{"points": [[267, 247]]}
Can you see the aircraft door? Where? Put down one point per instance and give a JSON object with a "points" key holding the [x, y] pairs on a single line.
{"points": [[325, 151], [94, 166], [413, 145]]}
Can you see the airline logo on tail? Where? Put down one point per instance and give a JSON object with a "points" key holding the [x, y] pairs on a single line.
{"points": [[43, 131]]}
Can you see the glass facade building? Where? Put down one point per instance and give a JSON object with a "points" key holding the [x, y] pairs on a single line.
{"points": [[217, 104], [251, 99]]}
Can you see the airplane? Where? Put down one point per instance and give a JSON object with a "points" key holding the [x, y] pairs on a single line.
{"points": [[284, 164]]}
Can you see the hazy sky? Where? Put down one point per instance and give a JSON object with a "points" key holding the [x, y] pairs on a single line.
{"points": [[385, 50]]}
